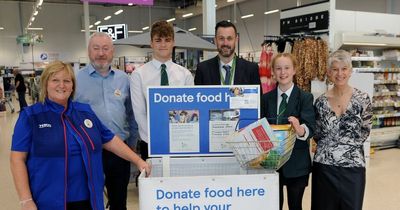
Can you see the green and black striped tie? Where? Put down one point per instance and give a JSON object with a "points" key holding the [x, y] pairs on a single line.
{"points": [[282, 108], [164, 75]]}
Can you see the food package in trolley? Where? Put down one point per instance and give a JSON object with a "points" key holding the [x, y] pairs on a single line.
{"points": [[282, 133], [283, 145], [260, 145]]}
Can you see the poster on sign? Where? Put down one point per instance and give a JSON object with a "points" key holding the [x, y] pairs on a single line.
{"points": [[196, 120]]}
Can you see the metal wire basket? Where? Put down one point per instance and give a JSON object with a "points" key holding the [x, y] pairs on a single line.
{"points": [[270, 153]]}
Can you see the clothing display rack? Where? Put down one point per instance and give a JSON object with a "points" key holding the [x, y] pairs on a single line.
{"points": [[311, 51]]}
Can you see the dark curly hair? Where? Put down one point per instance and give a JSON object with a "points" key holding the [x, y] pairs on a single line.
{"points": [[162, 29]]}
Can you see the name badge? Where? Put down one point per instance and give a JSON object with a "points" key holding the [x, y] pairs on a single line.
{"points": [[88, 123], [117, 93]]}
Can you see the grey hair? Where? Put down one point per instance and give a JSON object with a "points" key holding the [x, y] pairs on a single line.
{"points": [[98, 34], [340, 56]]}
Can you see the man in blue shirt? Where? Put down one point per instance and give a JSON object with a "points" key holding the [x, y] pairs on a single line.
{"points": [[108, 93]]}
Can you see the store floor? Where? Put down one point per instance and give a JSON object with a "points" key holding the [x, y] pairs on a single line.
{"points": [[382, 190]]}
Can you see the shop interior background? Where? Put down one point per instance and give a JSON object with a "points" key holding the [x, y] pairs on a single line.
{"points": [[62, 22]]}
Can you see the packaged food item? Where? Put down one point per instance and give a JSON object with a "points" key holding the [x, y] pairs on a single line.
{"points": [[256, 163]]}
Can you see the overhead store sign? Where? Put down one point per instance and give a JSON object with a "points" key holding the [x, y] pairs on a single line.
{"points": [[305, 19], [118, 31], [136, 2]]}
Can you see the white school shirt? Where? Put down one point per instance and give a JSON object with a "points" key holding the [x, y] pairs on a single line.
{"points": [[150, 75]]}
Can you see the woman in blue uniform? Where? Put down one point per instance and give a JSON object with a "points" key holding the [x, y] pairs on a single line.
{"points": [[289, 104], [56, 157]]}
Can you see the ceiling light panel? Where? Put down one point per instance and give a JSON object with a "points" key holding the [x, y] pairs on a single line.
{"points": [[187, 15], [35, 29], [171, 19], [247, 16], [118, 12], [271, 12], [135, 32]]}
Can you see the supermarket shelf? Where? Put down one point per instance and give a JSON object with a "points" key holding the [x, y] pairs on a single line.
{"points": [[384, 82], [386, 105], [387, 115], [367, 69], [377, 70], [385, 145], [382, 136], [390, 58], [390, 93], [375, 58], [362, 58]]}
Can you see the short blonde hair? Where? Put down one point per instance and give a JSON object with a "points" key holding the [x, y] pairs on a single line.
{"points": [[52, 68], [341, 56]]}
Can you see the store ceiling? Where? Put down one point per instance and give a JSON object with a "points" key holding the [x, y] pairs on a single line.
{"points": [[164, 3]]}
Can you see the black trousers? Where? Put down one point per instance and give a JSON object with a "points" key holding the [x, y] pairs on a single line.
{"points": [[337, 188], [21, 100], [79, 205], [295, 190], [117, 172], [144, 150]]}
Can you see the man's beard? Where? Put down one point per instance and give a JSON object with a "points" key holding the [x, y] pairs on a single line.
{"points": [[223, 53], [101, 67]]}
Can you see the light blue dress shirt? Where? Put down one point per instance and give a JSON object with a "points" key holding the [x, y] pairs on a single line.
{"points": [[110, 99]]}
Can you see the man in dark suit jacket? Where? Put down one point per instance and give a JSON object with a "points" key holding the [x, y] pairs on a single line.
{"points": [[226, 68]]}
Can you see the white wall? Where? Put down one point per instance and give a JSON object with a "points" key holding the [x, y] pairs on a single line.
{"points": [[379, 6], [9, 19], [62, 25]]}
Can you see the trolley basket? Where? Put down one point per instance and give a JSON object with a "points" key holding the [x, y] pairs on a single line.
{"points": [[260, 145]]}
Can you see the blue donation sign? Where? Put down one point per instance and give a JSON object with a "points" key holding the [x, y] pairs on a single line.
{"points": [[136, 2], [197, 120]]}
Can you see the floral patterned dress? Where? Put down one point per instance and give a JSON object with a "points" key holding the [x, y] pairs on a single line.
{"points": [[340, 139]]}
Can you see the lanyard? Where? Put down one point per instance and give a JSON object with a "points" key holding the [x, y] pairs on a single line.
{"points": [[232, 76]]}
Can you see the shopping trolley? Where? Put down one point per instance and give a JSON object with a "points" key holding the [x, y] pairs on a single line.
{"points": [[8, 91], [261, 145], [8, 100]]}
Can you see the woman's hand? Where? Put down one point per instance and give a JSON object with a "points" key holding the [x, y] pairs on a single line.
{"points": [[28, 205], [300, 131]]}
